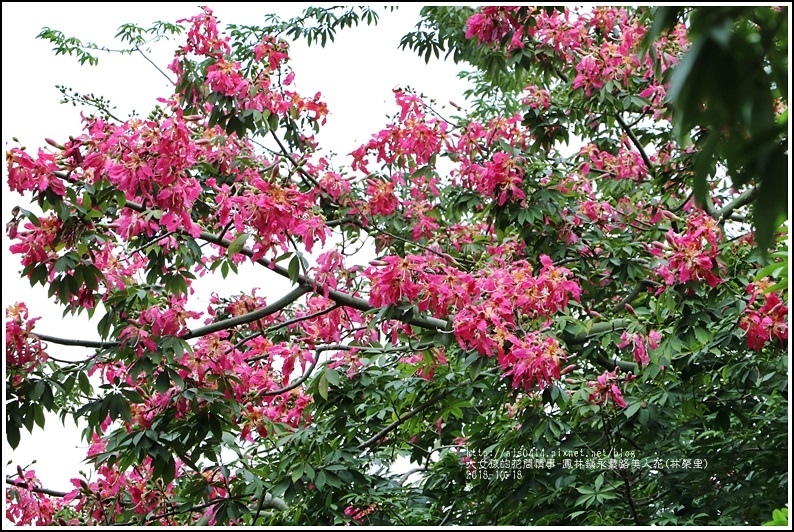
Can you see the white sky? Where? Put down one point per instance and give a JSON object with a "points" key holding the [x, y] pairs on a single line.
{"points": [[356, 75]]}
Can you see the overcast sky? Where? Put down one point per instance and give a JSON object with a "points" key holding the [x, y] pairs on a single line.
{"points": [[356, 75]]}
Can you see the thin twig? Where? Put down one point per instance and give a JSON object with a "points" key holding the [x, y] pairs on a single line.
{"points": [[137, 49], [405, 417]]}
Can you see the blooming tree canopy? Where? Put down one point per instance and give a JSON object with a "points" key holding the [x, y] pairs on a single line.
{"points": [[570, 320]]}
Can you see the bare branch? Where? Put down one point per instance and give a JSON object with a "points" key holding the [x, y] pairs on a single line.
{"points": [[249, 317], [79, 343], [286, 323], [404, 477], [43, 491], [155, 65]]}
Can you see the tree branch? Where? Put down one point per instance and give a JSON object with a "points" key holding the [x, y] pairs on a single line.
{"points": [[201, 331], [79, 343], [340, 298], [292, 385], [631, 296], [598, 328], [251, 316], [441, 254], [405, 417], [404, 477], [633, 508], [635, 141], [739, 201], [286, 324], [43, 491], [137, 49], [295, 164]]}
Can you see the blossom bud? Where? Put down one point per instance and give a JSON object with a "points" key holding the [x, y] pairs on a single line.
{"points": [[192, 118], [53, 143], [630, 310], [202, 142], [568, 369]]}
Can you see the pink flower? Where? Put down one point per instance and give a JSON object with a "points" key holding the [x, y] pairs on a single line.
{"points": [[640, 345], [534, 359], [606, 388], [691, 256], [767, 321]]}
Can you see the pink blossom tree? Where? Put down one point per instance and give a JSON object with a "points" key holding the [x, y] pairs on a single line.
{"points": [[562, 325]]}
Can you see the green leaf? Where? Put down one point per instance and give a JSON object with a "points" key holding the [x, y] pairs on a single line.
{"points": [[322, 386], [332, 376], [293, 269], [83, 384], [163, 383], [237, 245], [12, 433], [297, 473]]}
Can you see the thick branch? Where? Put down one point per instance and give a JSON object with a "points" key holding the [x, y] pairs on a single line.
{"points": [[341, 298], [633, 508], [739, 201], [597, 329], [631, 296], [251, 316], [201, 331], [610, 365], [79, 343], [43, 491]]}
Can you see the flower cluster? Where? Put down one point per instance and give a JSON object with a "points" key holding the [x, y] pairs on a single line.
{"points": [[764, 317], [426, 281], [417, 137], [24, 506], [691, 256], [640, 344], [606, 387], [358, 514], [627, 164], [532, 360], [494, 23], [28, 174], [24, 350]]}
